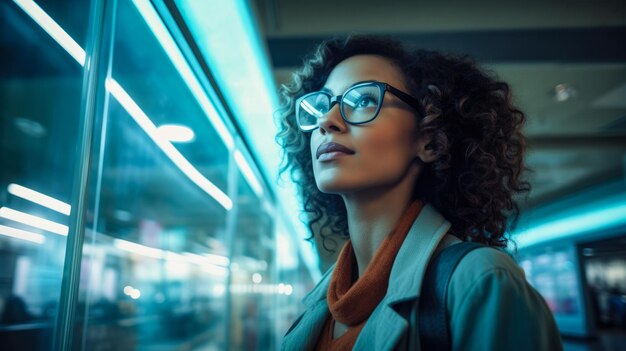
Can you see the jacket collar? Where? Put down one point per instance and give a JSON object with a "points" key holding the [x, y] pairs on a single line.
{"points": [[405, 282], [387, 325], [319, 292], [409, 266]]}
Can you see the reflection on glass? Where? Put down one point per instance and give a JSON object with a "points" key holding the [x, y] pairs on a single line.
{"points": [[156, 267], [155, 263], [180, 248], [40, 100], [605, 271], [555, 277]]}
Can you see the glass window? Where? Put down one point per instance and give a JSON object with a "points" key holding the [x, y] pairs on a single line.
{"points": [[180, 246], [254, 283], [40, 103], [155, 261], [554, 271]]}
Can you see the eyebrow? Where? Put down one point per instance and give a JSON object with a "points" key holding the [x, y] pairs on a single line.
{"points": [[325, 89]]}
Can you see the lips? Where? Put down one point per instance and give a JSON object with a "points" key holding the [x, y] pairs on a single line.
{"points": [[332, 147]]}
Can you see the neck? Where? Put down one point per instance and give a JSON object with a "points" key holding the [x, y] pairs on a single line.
{"points": [[373, 214]]}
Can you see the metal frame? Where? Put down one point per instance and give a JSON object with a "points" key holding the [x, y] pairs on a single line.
{"points": [[383, 87], [93, 87]]}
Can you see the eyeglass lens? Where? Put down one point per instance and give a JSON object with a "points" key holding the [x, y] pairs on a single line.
{"points": [[360, 105]]}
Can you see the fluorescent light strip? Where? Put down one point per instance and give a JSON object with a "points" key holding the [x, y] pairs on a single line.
{"points": [[39, 198], [164, 37], [22, 234], [175, 257], [349, 103], [53, 29], [138, 249], [247, 80], [570, 226], [120, 94], [248, 174], [218, 259], [179, 160], [209, 259], [311, 110], [33, 221], [216, 270], [206, 263], [169, 45], [176, 133]]}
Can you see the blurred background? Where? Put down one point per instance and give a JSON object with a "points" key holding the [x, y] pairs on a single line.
{"points": [[139, 202]]}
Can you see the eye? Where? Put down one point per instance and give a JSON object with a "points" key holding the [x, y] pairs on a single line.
{"points": [[366, 101]]}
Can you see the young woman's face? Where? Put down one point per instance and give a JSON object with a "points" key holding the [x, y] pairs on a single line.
{"points": [[384, 149]]}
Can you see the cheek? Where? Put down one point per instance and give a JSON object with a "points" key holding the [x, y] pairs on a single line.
{"points": [[313, 144], [313, 141], [392, 149], [313, 149]]}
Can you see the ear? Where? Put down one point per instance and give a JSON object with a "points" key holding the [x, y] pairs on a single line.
{"points": [[425, 150]]}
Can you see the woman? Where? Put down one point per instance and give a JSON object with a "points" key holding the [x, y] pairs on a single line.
{"points": [[405, 153]]}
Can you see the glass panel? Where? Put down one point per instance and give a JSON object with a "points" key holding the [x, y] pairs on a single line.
{"points": [[294, 276], [245, 79], [154, 272], [254, 284], [242, 71], [40, 101], [555, 272]]}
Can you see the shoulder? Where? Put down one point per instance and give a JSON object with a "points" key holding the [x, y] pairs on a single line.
{"points": [[490, 303], [482, 262], [485, 271]]}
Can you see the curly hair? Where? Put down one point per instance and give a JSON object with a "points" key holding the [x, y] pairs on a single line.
{"points": [[475, 129]]}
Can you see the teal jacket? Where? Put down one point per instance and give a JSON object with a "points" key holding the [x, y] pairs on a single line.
{"points": [[490, 304]]}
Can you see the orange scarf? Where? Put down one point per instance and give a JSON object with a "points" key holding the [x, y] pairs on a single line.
{"points": [[350, 302]]}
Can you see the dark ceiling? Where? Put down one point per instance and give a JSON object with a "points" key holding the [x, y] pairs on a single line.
{"points": [[533, 45]]}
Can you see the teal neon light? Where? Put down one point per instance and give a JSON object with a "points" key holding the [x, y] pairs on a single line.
{"points": [[601, 218], [228, 38], [78, 53]]}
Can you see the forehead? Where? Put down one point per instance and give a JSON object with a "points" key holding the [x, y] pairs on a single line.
{"points": [[363, 67]]}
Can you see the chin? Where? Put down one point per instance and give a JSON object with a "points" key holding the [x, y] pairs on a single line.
{"points": [[332, 188], [339, 187]]}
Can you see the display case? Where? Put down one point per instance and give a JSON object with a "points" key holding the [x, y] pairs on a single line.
{"points": [[134, 214]]}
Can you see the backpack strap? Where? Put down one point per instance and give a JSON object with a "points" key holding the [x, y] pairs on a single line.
{"points": [[434, 331]]}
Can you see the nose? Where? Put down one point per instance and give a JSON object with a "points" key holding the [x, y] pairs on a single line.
{"points": [[332, 120]]}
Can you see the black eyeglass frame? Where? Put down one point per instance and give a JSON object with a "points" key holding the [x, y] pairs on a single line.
{"points": [[384, 87]]}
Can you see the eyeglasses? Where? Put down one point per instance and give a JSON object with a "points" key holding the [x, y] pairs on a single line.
{"points": [[358, 105]]}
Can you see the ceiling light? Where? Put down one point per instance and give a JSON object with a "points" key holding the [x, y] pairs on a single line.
{"points": [[563, 92], [33, 221], [21, 234], [29, 127], [39, 198], [590, 221], [162, 34], [176, 133], [127, 102], [53, 29], [70, 45], [138, 248]]}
